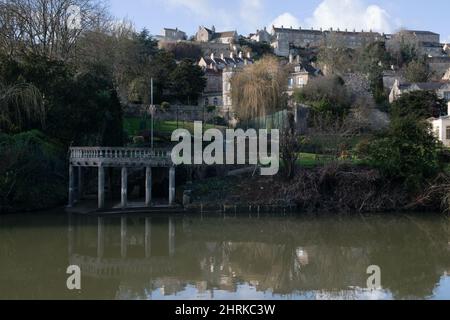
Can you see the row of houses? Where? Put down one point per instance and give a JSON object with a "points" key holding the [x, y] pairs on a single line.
{"points": [[219, 69]]}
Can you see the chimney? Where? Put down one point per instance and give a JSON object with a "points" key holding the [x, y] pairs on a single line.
{"points": [[249, 55], [240, 54], [232, 55], [291, 58], [222, 56], [298, 59], [212, 56]]}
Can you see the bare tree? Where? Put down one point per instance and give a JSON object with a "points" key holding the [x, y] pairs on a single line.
{"points": [[47, 27]]}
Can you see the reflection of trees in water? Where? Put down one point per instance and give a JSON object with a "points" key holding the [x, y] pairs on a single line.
{"points": [[321, 256]]}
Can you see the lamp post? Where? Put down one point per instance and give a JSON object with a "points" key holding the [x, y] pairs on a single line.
{"points": [[152, 112]]}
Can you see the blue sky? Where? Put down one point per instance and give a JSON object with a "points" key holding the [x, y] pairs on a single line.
{"points": [[248, 15]]}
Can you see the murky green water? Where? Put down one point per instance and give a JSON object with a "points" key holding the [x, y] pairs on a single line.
{"points": [[216, 257]]}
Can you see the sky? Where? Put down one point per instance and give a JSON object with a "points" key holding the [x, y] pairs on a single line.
{"points": [[249, 15]]}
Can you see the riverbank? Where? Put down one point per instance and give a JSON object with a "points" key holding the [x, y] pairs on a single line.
{"points": [[334, 188]]}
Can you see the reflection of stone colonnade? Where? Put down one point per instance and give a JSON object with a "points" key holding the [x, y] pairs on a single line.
{"points": [[102, 266], [123, 158]]}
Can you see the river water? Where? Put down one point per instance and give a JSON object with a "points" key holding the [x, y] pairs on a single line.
{"points": [[224, 257]]}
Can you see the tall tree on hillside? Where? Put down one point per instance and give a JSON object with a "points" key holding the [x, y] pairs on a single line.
{"points": [[188, 81], [258, 90]]}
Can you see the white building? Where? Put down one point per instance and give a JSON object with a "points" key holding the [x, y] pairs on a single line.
{"points": [[441, 128]]}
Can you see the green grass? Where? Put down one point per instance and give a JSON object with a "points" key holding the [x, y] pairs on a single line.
{"points": [[311, 160], [133, 126]]}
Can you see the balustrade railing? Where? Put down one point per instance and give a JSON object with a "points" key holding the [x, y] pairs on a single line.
{"points": [[118, 153]]}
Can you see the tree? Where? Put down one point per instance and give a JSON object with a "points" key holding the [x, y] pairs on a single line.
{"points": [[45, 27], [188, 81], [404, 48], [258, 90], [21, 106], [335, 57], [290, 147], [417, 71], [327, 96], [419, 105], [407, 153]]}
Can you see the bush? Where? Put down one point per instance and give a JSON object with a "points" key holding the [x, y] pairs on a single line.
{"points": [[165, 106], [408, 153], [32, 172]]}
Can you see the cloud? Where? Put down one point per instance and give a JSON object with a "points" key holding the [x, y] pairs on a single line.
{"points": [[287, 20], [198, 7], [252, 12], [350, 14], [342, 14]]}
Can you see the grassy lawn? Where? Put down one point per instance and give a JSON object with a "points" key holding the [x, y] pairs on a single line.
{"points": [[311, 160], [133, 126]]}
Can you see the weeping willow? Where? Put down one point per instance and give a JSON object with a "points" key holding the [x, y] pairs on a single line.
{"points": [[258, 90], [20, 104]]}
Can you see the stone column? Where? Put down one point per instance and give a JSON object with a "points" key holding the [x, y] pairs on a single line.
{"points": [[148, 186], [148, 237], [124, 193], [123, 237], [80, 183], [101, 187], [100, 237], [171, 186], [171, 237], [71, 186]]}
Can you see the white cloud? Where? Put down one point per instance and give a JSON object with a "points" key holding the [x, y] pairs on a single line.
{"points": [[198, 7], [342, 14], [350, 14], [287, 20], [252, 12]]}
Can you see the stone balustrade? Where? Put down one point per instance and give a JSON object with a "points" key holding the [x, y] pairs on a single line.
{"points": [[118, 157]]}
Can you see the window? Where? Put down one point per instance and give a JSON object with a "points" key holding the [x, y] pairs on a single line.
{"points": [[206, 102], [301, 82], [437, 132], [447, 133], [291, 82], [216, 101], [447, 95]]}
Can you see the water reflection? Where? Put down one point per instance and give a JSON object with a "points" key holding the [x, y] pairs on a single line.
{"points": [[216, 257]]}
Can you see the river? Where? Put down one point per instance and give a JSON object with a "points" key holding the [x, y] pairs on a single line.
{"points": [[224, 257]]}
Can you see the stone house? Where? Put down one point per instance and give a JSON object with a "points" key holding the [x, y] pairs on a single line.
{"points": [[286, 38], [442, 89], [212, 94], [210, 35], [441, 128], [439, 65], [300, 74], [261, 36], [173, 34], [221, 66]]}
